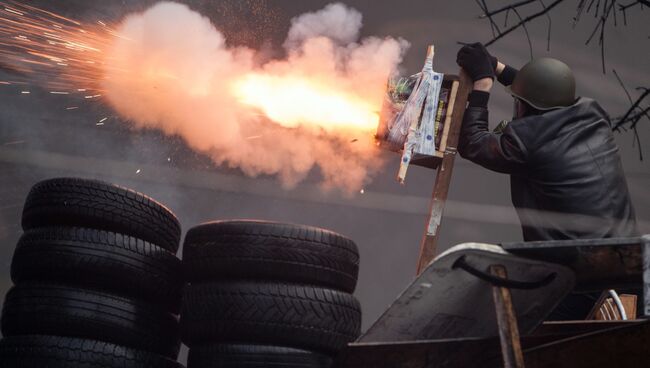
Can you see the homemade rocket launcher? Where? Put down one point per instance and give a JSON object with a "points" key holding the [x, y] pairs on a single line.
{"points": [[416, 116], [421, 118]]}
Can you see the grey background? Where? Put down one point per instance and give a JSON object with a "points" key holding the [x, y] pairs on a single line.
{"points": [[39, 139]]}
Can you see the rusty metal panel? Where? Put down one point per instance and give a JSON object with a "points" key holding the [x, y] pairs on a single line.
{"points": [[558, 345], [626, 346], [446, 353], [598, 264]]}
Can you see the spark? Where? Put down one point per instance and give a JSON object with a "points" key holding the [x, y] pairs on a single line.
{"points": [[254, 137], [137, 171], [14, 11], [13, 142], [5, 83], [99, 124], [25, 92], [72, 108], [59, 51], [59, 93], [103, 120], [362, 191]]}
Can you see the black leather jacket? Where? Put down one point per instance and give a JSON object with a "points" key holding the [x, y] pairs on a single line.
{"points": [[567, 181]]}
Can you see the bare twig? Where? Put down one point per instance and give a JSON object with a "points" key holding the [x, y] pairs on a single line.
{"points": [[630, 118], [523, 22], [603, 11], [487, 14]]}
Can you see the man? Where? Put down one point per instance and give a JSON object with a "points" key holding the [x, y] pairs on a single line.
{"points": [[566, 177]]}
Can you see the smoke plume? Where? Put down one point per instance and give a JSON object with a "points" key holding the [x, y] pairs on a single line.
{"points": [[171, 69]]}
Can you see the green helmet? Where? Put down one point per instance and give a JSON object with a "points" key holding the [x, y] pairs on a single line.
{"points": [[545, 84]]}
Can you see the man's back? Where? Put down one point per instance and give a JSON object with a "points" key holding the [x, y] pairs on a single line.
{"points": [[574, 185]]}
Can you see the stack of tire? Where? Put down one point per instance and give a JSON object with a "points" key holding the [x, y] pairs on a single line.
{"points": [[265, 294], [97, 282]]}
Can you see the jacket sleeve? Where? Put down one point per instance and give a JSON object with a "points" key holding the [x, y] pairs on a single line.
{"points": [[507, 76], [501, 152]]}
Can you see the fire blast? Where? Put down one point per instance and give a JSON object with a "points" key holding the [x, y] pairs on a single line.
{"points": [[169, 68]]}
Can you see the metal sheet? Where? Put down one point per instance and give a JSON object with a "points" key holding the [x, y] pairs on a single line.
{"points": [[447, 302]]}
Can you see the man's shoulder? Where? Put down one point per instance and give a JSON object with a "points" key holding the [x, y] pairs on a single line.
{"points": [[536, 130]]}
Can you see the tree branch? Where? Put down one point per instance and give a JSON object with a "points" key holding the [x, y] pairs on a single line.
{"points": [[523, 22]]}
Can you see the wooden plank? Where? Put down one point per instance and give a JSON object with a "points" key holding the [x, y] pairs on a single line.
{"points": [[605, 309], [443, 177], [507, 321], [629, 304], [572, 328], [450, 111]]}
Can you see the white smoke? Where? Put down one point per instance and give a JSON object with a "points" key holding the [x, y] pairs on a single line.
{"points": [[337, 22], [170, 69]]}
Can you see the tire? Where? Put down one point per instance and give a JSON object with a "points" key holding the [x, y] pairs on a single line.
{"points": [[100, 260], [267, 313], [267, 251], [254, 356], [49, 309], [64, 352], [95, 204]]}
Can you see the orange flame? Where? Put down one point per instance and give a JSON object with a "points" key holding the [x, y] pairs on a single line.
{"points": [[293, 101]]}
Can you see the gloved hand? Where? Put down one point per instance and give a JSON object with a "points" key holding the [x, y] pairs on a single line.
{"points": [[477, 61]]}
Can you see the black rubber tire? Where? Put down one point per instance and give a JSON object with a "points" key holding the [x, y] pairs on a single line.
{"points": [[95, 204], [37, 351], [49, 309], [100, 260], [254, 356], [268, 313], [268, 251]]}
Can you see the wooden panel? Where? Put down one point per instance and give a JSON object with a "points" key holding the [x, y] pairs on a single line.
{"points": [[443, 177]]}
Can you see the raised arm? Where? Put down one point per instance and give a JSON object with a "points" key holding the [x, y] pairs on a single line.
{"points": [[502, 152]]}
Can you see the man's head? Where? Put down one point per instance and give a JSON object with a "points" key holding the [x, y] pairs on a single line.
{"points": [[543, 84]]}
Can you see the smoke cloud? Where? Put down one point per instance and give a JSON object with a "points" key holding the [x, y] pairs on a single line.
{"points": [[172, 70], [336, 22]]}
